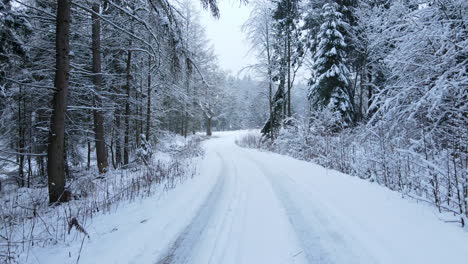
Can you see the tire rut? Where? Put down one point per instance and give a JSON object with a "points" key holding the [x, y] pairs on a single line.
{"points": [[181, 249]]}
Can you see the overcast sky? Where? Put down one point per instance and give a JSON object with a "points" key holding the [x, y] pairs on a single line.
{"points": [[226, 35]]}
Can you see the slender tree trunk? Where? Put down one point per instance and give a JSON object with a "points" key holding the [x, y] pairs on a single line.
{"points": [[31, 145], [118, 138], [55, 151], [284, 76], [186, 124], [99, 132], [369, 89], [289, 73], [20, 140], [361, 93], [208, 126], [138, 112], [357, 112], [270, 81], [148, 103], [28, 182], [127, 109], [88, 163], [112, 153], [186, 103]]}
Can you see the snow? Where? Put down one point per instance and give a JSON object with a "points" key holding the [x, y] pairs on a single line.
{"points": [[248, 206], [332, 52], [138, 232], [244, 221]]}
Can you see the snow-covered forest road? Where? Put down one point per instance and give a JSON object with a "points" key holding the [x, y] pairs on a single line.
{"points": [[251, 207], [268, 208]]}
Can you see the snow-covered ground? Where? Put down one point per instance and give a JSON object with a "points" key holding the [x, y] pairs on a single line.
{"points": [[253, 207]]}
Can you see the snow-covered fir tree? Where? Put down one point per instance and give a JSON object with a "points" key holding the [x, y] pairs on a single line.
{"points": [[330, 81]]}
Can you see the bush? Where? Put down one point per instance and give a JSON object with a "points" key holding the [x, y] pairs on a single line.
{"points": [[417, 169], [250, 140]]}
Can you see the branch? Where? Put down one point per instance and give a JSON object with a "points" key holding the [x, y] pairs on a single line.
{"points": [[115, 26]]}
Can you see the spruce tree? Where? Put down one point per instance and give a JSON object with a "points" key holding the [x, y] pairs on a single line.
{"points": [[329, 86]]}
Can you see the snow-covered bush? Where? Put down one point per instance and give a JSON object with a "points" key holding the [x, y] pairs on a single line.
{"points": [[429, 174], [291, 138], [145, 151], [250, 140], [410, 99]]}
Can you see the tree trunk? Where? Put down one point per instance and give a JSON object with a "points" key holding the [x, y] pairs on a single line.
{"points": [[55, 151], [369, 89], [289, 73], [127, 110], [185, 124], [270, 81], [208, 126], [148, 103], [118, 138], [99, 132], [136, 122], [88, 163], [30, 172], [21, 140], [112, 153]]}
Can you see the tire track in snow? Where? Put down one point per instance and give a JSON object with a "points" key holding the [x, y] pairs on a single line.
{"points": [[181, 250], [228, 221], [322, 242], [221, 238]]}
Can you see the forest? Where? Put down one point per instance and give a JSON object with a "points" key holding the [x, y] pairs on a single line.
{"points": [[387, 96], [135, 68], [91, 91]]}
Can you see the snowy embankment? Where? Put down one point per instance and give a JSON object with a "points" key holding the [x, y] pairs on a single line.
{"points": [[246, 206], [33, 232], [356, 221], [138, 232]]}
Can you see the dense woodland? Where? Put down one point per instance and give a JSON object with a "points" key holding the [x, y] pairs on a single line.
{"points": [[89, 91], [373, 88], [87, 78], [387, 90]]}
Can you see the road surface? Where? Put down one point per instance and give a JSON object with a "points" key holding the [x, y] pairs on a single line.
{"points": [[247, 206], [268, 208]]}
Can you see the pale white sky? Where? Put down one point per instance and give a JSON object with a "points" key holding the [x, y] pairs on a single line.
{"points": [[227, 37]]}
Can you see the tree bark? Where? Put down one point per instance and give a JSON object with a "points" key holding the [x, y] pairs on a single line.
{"points": [[88, 163], [55, 151], [111, 148], [127, 110], [118, 138], [28, 183], [270, 80], [289, 73], [21, 140], [99, 132], [208, 126], [148, 103]]}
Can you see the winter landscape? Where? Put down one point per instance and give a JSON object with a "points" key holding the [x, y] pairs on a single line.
{"points": [[233, 131]]}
